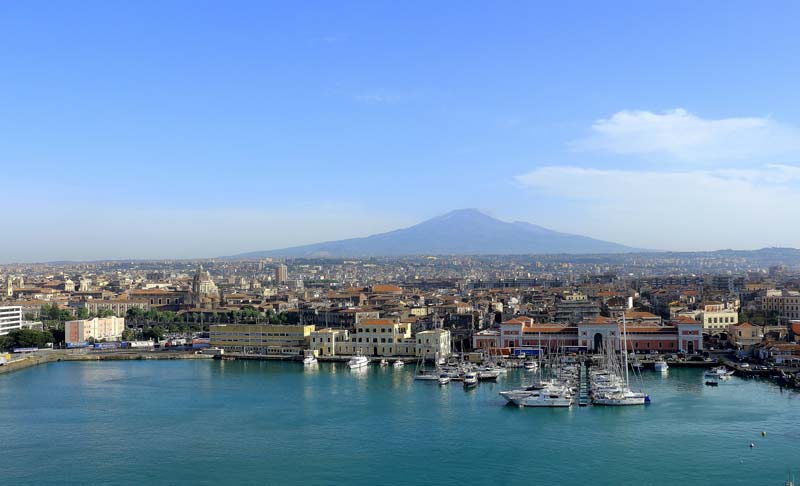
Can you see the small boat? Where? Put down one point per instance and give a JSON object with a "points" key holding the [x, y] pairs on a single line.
{"points": [[661, 366], [358, 361], [399, 363], [384, 363], [426, 377], [488, 375], [309, 360], [470, 379], [530, 365], [444, 379], [717, 371]]}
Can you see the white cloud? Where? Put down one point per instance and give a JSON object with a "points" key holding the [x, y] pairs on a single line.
{"points": [[685, 136], [678, 210]]}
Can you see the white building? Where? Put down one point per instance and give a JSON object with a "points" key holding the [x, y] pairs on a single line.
{"points": [[10, 319], [433, 343]]}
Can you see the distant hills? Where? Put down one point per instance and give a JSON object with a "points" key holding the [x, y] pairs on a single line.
{"points": [[460, 232]]}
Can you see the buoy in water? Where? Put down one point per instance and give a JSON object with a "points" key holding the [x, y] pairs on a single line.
{"points": [[763, 434], [752, 445]]}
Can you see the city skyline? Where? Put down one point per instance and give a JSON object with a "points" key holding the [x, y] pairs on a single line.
{"points": [[195, 130]]}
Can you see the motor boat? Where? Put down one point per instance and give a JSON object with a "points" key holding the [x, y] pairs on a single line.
{"points": [[530, 365], [621, 398], [309, 360], [717, 372], [358, 361], [488, 374], [398, 364], [545, 399], [444, 379], [661, 366], [384, 363], [470, 379]]}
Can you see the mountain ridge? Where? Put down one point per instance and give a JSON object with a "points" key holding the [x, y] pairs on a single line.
{"points": [[459, 232]]}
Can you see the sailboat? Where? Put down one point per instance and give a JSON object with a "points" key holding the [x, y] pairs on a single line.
{"points": [[616, 393], [423, 374]]}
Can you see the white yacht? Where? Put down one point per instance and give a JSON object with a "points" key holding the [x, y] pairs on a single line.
{"points": [[470, 379], [399, 363], [661, 366], [358, 361], [530, 365], [309, 360], [620, 397], [545, 398], [444, 379], [717, 371], [488, 374], [384, 363]]}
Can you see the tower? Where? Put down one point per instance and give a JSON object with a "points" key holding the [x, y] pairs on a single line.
{"points": [[281, 273]]}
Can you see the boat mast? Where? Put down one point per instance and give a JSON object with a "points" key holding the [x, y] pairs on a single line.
{"points": [[625, 348]]}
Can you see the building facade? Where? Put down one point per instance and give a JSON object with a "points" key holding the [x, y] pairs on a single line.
{"points": [[10, 319], [266, 339], [82, 330]]}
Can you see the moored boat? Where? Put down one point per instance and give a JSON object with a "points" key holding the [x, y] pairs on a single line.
{"points": [[358, 361], [470, 379]]}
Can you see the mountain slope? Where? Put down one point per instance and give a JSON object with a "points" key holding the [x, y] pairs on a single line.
{"points": [[461, 232]]}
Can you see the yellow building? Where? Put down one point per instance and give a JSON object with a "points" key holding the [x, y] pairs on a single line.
{"points": [[328, 342], [266, 339], [380, 337]]}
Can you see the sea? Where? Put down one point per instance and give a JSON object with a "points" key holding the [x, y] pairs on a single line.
{"points": [[259, 422]]}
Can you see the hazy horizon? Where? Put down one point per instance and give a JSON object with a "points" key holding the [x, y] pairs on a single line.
{"points": [[195, 130]]}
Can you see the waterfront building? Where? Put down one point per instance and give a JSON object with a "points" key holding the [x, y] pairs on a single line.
{"points": [[82, 330], [329, 342], [266, 339], [747, 335], [10, 319], [592, 335], [381, 337], [432, 343]]}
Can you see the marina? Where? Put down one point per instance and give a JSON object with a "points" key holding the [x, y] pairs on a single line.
{"points": [[215, 421]]}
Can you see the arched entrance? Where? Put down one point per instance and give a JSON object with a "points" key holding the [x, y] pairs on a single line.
{"points": [[598, 341]]}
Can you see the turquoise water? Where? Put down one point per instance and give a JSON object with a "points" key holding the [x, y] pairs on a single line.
{"points": [[203, 422]]}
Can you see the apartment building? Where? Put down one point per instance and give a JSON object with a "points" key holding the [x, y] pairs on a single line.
{"points": [[82, 330], [10, 319]]}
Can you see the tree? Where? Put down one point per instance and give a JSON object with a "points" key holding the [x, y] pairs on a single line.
{"points": [[58, 335], [154, 333], [105, 313], [128, 335], [54, 313], [28, 338], [82, 313]]}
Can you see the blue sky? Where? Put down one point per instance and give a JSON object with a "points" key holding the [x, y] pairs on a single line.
{"points": [[190, 129]]}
